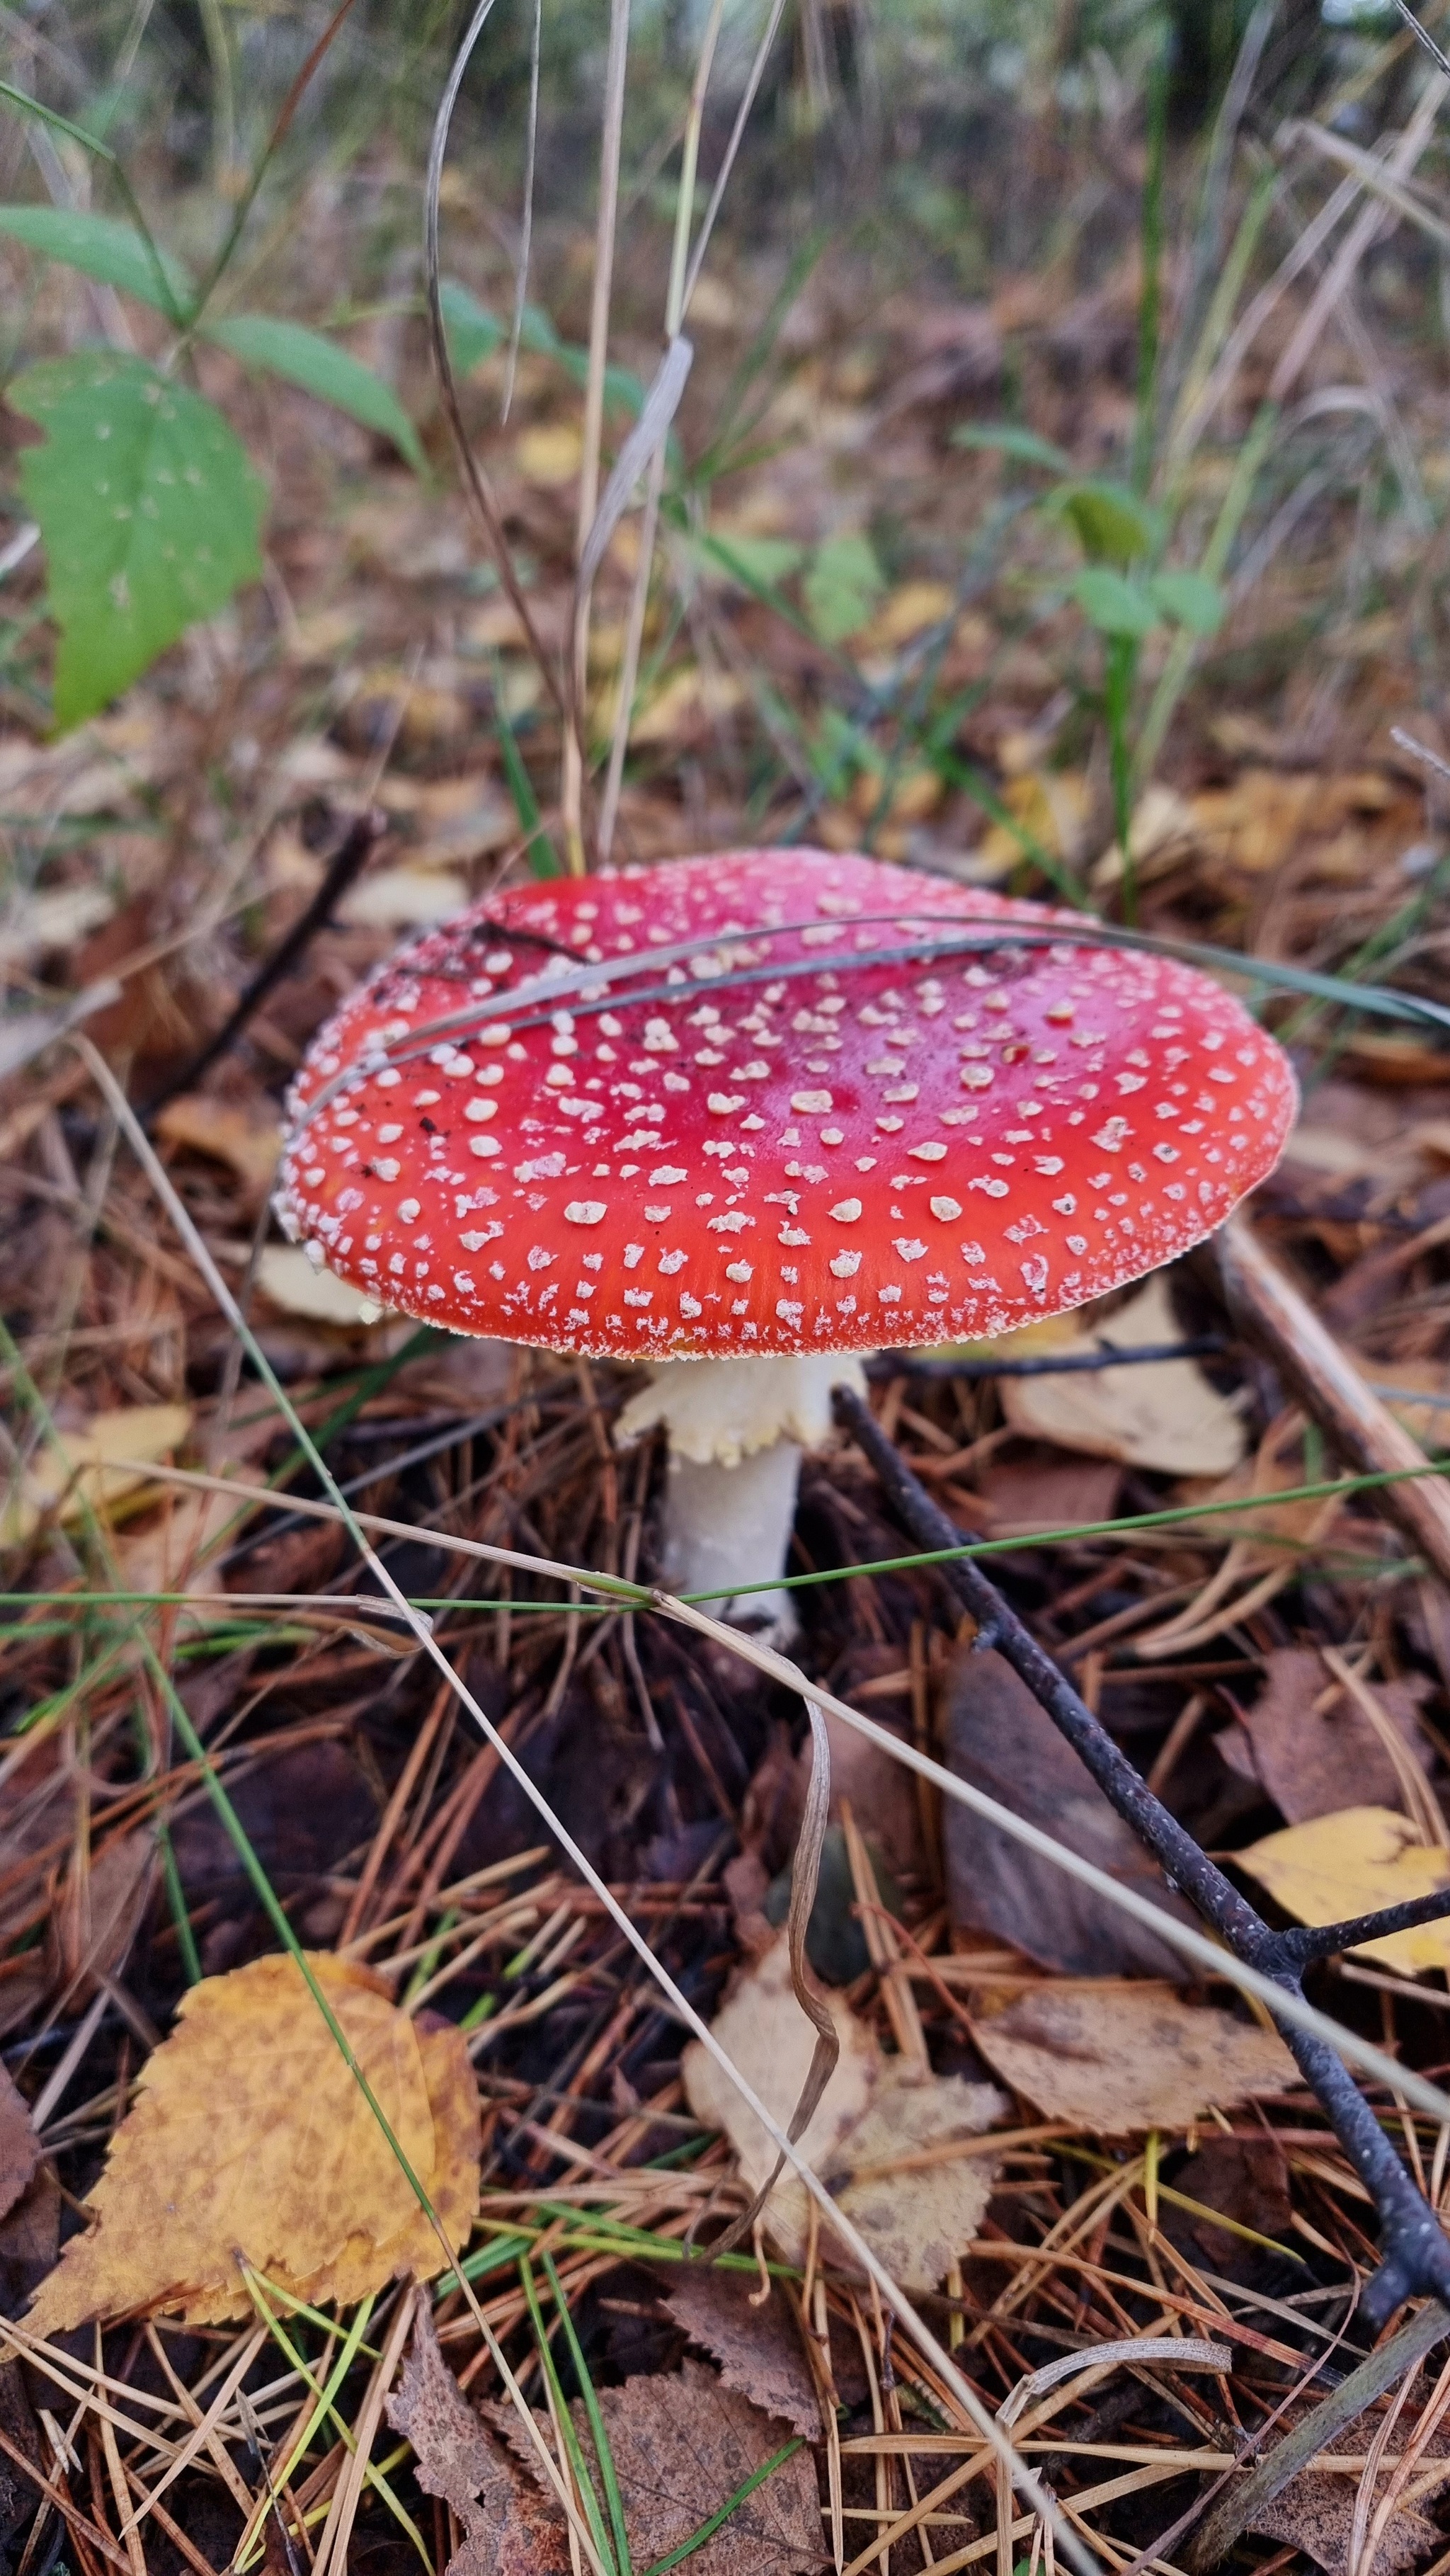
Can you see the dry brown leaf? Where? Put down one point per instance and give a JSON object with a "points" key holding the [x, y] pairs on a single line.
{"points": [[1118, 2059], [1333, 1867], [870, 2116], [98, 1913], [1000, 1740], [1163, 1415], [19, 2145], [1315, 2513], [758, 2348], [249, 2134], [681, 2445], [94, 1465], [688, 704], [508, 2527], [249, 1143], [1317, 1761]]}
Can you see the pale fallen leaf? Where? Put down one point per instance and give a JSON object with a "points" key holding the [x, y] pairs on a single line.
{"points": [[249, 2135], [758, 2347], [228, 1134], [19, 2145], [870, 2116], [1121, 2059], [1331, 1868], [1164, 1414], [93, 1465], [39, 923], [508, 2527], [403, 898], [289, 1280], [549, 455], [681, 2445]]}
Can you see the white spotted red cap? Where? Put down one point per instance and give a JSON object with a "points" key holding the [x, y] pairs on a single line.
{"points": [[835, 1150]]}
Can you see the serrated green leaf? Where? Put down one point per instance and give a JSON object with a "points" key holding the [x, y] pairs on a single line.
{"points": [[320, 367], [149, 511], [1006, 438], [1114, 605], [1191, 600], [100, 247], [1112, 525], [842, 587]]}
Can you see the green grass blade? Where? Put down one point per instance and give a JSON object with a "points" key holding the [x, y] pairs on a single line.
{"points": [[708, 2529], [603, 2453]]}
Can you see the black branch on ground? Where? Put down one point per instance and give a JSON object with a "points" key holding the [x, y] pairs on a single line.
{"points": [[1414, 2251]]}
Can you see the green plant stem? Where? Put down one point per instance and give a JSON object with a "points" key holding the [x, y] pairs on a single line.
{"points": [[1150, 300], [1120, 670], [91, 143], [1178, 668], [707, 2530]]}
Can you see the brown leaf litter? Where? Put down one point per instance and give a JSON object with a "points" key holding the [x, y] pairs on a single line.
{"points": [[1120, 2059]]}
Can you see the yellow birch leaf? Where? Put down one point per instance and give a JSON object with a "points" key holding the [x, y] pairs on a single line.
{"points": [[1334, 1867], [250, 2136]]}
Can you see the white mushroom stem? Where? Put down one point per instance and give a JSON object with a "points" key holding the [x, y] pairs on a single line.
{"points": [[737, 1430]]}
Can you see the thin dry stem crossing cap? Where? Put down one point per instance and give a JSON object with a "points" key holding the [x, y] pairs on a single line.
{"points": [[770, 1101]]}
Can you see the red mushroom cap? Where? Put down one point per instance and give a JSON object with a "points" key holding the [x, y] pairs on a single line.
{"points": [[825, 1153]]}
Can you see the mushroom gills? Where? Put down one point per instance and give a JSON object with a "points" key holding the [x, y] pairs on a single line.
{"points": [[737, 1430]]}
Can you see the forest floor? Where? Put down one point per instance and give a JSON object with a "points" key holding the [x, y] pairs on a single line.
{"points": [[864, 637]]}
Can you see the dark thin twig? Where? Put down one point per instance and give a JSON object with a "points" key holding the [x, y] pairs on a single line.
{"points": [[1415, 2256], [348, 861], [1051, 1364]]}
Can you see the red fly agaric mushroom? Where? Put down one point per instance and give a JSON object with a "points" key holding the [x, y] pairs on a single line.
{"points": [[757, 1112]]}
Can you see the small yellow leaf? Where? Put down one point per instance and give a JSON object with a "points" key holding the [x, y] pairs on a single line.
{"points": [[1334, 1867], [1051, 805], [404, 898], [550, 456], [94, 1465], [907, 613], [250, 2136]]}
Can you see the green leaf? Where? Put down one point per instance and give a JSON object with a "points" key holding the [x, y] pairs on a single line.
{"points": [[1112, 604], [1007, 439], [759, 562], [111, 252], [1111, 523], [320, 367], [842, 587], [149, 511], [474, 334], [1191, 600]]}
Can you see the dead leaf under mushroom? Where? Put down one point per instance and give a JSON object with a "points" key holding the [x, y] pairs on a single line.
{"points": [[880, 2138], [1161, 1414]]}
